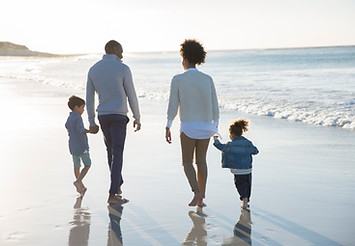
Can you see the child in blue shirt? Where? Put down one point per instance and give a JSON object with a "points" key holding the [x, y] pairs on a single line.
{"points": [[78, 141], [237, 155]]}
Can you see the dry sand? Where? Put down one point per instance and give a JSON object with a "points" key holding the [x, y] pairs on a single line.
{"points": [[303, 183]]}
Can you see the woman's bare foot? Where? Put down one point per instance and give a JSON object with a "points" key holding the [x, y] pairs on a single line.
{"points": [[200, 203], [195, 199], [112, 199]]}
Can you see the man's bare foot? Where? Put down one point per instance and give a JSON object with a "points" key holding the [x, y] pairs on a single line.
{"points": [[245, 203], [119, 193], [116, 200], [195, 199]]}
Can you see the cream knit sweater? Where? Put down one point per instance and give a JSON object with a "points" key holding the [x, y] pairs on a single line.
{"points": [[193, 93]]}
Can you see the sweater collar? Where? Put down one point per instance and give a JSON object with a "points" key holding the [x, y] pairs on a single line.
{"points": [[111, 57]]}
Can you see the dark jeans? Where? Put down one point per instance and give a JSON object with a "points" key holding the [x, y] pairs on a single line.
{"points": [[243, 185], [114, 128]]}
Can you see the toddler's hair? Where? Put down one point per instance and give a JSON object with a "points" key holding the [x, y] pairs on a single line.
{"points": [[75, 101], [238, 127]]}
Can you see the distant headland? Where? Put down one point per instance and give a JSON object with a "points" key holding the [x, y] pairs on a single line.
{"points": [[11, 49]]}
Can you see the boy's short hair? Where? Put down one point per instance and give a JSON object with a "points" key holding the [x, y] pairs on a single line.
{"points": [[238, 127], [193, 51], [75, 101]]}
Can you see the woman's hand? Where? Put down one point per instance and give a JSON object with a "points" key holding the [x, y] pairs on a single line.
{"points": [[168, 135]]}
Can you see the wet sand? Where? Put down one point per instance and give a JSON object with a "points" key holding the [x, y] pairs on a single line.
{"points": [[303, 183]]}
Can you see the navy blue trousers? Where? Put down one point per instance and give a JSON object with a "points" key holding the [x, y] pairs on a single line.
{"points": [[114, 128], [243, 185]]}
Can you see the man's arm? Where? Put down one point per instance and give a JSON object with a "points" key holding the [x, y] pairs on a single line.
{"points": [[90, 105], [132, 98]]}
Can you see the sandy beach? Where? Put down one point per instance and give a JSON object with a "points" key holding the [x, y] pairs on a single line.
{"points": [[303, 182]]}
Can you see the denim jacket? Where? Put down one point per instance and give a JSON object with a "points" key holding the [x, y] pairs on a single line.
{"points": [[237, 154]]}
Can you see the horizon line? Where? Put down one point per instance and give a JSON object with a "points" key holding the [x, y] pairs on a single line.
{"points": [[223, 50]]}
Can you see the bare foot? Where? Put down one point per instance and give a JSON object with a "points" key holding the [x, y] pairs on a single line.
{"points": [[119, 193], [245, 203], [200, 203], [82, 192], [116, 200], [77, 186], [195, 199]]}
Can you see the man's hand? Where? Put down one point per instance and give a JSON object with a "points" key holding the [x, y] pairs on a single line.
{"points": [[94, 129], [168, 135], [137, 126]]}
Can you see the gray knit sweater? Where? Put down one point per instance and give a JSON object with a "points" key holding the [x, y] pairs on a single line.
{"points": [[112, 81]]}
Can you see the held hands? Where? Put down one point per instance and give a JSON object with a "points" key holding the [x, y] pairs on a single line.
{"points": [[94, 129], [168, 135]]}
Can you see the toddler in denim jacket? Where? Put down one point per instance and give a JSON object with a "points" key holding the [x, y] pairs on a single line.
{"points": [[237, 155]]}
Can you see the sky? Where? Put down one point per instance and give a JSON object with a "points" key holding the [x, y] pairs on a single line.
{"points": [[84, 26]]}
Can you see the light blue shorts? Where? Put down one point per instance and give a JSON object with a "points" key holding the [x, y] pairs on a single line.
{"points": [[85, 158]]}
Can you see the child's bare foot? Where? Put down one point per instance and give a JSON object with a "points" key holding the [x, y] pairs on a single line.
{"points": [[82, 192], [245, 203], [195, 199], [116, 200], [77, 186]]}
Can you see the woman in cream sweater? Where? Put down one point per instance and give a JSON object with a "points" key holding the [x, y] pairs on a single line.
{"points": [[193, 94]]}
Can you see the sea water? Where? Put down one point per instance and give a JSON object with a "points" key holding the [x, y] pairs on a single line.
{"points": [[310, 85]]}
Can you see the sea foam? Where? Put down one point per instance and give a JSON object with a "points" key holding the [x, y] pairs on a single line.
{"points": [[313, 86]]}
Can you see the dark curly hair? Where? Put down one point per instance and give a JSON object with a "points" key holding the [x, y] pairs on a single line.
{"points": [[75, 101], [238, 127], [193, 51]]}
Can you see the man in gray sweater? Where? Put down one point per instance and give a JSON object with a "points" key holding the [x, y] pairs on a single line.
{"points": [[113, 83]]}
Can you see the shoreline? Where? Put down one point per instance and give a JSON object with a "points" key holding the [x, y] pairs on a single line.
{"points": [[30, 53], [292, 202]]}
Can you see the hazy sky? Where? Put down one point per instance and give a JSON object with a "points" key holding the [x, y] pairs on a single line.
{"points": [[84, 26]]}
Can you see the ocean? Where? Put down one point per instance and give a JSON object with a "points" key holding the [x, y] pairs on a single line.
{"points": [[309, 85]]}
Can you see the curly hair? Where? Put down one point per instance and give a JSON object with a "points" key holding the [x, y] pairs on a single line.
{"points": [[238, 127], [75, 101], [193, 51]]}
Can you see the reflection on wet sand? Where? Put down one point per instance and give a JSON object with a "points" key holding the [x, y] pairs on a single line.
{"points": [[114, 231], [198, 233], [79, 233], [242, 231]]}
